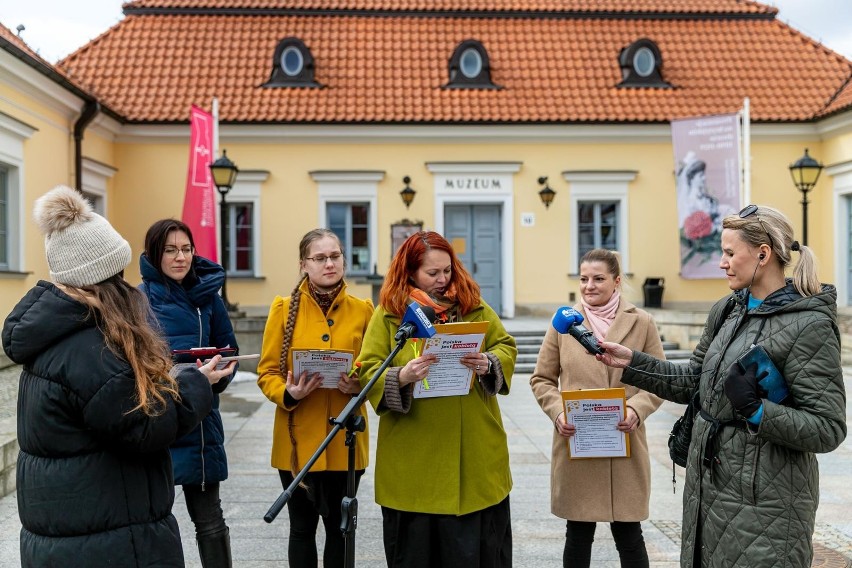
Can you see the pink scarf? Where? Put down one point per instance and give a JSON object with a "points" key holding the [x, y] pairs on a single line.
{"points": [[599, 318]]}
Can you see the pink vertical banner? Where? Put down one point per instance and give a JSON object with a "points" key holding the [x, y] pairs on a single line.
{"points": [[707, 158], [199, 203]]}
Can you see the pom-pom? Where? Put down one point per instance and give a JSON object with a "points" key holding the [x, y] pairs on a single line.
{"points": [[60, 208]]}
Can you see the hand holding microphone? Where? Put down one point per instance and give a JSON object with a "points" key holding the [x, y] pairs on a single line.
{"points": [[568, 320], [615, 355]]}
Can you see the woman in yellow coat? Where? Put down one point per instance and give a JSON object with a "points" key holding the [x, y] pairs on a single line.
{"points": [[609, 490], [319, 314]]}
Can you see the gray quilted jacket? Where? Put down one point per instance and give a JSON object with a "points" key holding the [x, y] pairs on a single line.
{"points": [[756, 505]]}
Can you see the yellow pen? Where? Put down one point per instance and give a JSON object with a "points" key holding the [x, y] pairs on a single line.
{"points": [[415, 346], [354, 369]]}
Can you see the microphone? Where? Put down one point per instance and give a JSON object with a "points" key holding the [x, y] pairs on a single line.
{"points": [[568, 320], [416, 322]]}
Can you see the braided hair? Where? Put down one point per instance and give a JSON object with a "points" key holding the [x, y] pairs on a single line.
{"points": [[289, 328]]}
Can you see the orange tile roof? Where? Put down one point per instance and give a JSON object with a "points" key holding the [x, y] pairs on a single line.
{"points": [[586, 6], [390, 68]]}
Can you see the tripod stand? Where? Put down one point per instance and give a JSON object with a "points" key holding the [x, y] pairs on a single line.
{"points": [[353, 423]]}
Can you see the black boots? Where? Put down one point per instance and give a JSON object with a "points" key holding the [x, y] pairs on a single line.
{"points": [[215, 549]]}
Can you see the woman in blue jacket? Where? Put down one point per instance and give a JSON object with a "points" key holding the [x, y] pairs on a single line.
{"points": [[183, 290]]}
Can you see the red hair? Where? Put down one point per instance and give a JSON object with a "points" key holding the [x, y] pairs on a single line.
{"points": [[394, 296]]}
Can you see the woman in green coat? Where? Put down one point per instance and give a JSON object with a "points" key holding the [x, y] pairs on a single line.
{"points": [[442, 464], [752, 480]]}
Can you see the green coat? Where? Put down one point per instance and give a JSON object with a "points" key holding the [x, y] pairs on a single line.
{"points": [[758, 507], [445, 455]]}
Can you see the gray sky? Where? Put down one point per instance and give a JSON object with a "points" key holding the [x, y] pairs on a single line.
{"points": [[55, 28]]}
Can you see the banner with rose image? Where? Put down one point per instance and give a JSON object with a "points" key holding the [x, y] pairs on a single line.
{"points": [[707, 161]]}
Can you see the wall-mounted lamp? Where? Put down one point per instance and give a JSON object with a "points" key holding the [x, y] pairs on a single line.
{"points": [[805, 172], [546, 193], [407, 193]]}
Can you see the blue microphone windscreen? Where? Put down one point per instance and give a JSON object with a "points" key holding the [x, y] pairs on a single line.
{"points": [[415, 314], [564, 318]]}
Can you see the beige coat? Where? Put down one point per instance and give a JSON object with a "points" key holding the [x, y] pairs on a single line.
{"points": [[598, 489]]}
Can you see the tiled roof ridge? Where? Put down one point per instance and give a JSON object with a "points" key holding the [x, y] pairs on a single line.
{"points": [[569, 9], [839, 102], [827, 108]]}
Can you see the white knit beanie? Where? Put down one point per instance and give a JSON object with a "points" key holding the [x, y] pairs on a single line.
{"points": [[81, 247]]}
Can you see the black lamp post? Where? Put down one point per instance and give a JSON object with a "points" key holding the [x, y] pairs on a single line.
{"points": [[224, 175], [805, 172], [546, 193]]}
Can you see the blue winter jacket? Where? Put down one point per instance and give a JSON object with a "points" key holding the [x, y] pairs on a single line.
{"points": [[194, 315]]}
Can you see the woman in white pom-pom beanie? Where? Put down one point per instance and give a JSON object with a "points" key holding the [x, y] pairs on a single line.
{"points": [[97, 408]]}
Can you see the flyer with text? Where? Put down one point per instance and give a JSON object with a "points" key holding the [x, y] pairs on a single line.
{"points": [[448, 377], [595, 413], [327, 362]]}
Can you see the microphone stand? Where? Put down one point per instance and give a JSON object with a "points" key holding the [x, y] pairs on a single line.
{"points": [[354, 423]]}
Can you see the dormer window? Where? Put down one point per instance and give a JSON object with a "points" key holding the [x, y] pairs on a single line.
{"points": [[292, 65], [470, 67], [641, 65]]}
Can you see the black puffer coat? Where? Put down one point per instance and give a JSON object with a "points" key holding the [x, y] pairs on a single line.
{"points": [[94, 479], [756, 506]]}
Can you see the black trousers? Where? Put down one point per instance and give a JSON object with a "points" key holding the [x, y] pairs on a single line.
{"points": [[326, 489], [421, 540], [205, 509], [629, 542]]}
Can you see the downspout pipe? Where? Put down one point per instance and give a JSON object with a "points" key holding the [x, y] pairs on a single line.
{"points": [[90, 111]]}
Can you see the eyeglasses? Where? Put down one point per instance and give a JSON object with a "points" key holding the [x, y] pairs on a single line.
{"points": [[322, 259], [174, 251], [750, 210]]}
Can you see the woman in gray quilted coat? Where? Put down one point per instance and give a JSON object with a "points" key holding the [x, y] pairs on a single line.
{"points": [[752, 480]]}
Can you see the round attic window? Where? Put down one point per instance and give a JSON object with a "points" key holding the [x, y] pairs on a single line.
{"points": [[292, 61], [471, 63], [644, 62]]}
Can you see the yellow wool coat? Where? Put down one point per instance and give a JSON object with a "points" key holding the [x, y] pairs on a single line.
{"points": [[598, 489], [446, 455], [342, 328]]}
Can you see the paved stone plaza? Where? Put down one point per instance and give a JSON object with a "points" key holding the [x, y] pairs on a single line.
{"points": [[538, 536]]}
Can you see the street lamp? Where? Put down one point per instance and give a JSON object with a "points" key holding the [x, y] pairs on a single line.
{"points": [[805, 172], [224, 175]]}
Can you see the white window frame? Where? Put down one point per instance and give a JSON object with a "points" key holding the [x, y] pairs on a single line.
{"points": [[13, 134], [351, 187], [598, 187], [841, 176], [246, 189], [95, 178]]}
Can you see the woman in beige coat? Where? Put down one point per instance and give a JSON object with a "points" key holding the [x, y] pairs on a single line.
{"points": [[613, 490]]}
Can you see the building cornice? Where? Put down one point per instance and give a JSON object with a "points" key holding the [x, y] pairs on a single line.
{"points": [[508, 134], [347, 175], [23, 78]]}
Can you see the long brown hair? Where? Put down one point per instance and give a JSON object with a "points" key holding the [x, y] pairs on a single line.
{"points": [[121, 312], [407, 261]]}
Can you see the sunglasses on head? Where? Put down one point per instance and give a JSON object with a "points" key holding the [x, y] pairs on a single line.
{"points": [[750, 210]]}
